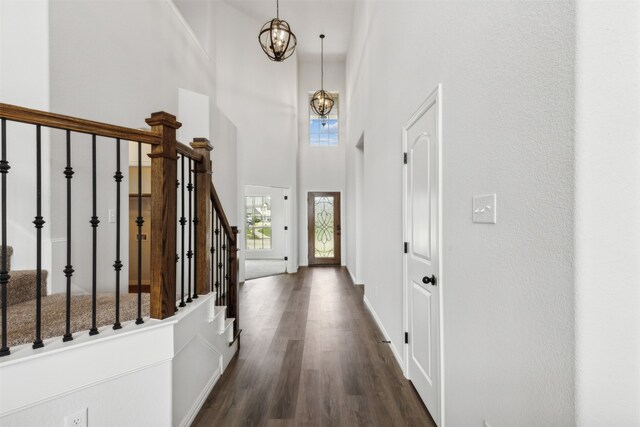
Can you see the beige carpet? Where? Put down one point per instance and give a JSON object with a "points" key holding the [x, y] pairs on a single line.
{"points": [[21, 318]]}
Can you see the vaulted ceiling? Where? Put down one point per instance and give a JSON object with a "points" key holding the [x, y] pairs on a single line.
{"points": [[308, 18]]}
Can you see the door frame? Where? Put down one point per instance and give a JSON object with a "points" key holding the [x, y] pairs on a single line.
{"points": [[337, 235], [434, 96]]}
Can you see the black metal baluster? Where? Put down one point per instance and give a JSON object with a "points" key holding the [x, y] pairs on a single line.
{"points": [[224, 269], [228, 276], [118, 263], [189, 252], [213, 250], [94, 224], [139, 223], [195, 233], [218, 265], [177, 254], [183, 222], [4, 274], [39, 223], [68, 269]]}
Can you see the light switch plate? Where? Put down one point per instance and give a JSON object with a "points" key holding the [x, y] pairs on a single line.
{"points": [[484, 209]]}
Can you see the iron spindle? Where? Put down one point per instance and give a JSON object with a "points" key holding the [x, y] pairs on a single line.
{"points": [[4, 274], [218, 265], [139, 223], [183, 222], [195, 233], [118, 263], [213, 250], [229, 260], [177, 254], [39, 223], [94, 224], [68, 269], [189, 251], [224, 268]]}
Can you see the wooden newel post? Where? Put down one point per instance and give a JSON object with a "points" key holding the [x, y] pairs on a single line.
{"points": [[234, 264], [163, 215], [202, 173]]}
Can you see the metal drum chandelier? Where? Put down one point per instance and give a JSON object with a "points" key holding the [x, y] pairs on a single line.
{"points": [[276, 38], [322, 101]]}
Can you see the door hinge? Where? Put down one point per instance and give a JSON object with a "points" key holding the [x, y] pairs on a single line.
{"points": [[286, 197], [286, 228], [406, 337], [406, 247], [405, 158]]}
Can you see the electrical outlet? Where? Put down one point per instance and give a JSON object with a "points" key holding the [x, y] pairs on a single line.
{"points": [[112, 215], [77, 419]]}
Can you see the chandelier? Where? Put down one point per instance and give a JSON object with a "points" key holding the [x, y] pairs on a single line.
{"points": [[322, 101], [276, 38]]}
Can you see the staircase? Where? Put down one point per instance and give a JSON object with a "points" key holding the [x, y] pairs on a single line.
{"points": [[21, 306], [126, 358]]}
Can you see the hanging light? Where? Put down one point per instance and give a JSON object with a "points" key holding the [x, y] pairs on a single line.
{"points": [[276, 38], [322, 101]]}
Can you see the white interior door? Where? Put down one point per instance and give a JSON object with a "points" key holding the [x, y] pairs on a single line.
{"points": [[421, 138]]}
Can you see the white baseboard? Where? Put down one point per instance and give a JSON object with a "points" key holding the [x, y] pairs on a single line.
{"points": [[394, 350], [353, 278]]}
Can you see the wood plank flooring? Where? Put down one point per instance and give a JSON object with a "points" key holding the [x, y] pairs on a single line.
{"points": [[311, 355]]}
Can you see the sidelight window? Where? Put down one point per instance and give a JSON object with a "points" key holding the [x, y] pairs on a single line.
{"points": [[258, 222]]}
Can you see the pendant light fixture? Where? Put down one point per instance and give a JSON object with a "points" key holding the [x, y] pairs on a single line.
{"points": [[322, 101], [276, 38]]}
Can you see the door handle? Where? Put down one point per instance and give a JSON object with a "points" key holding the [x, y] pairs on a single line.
{"points": [[426, 280]]}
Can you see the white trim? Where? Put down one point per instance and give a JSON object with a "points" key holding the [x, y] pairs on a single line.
{"points": [[82, 387], [187, 27], [434, 97], [394, 350], [195, 408], [353, 278]]}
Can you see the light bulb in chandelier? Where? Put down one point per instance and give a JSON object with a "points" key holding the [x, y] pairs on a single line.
{"points": [[276, 38]]}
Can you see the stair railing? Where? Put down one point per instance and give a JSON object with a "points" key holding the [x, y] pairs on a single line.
{"points": [[205, 210]]}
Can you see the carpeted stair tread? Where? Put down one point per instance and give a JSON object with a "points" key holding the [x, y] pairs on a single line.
{"points": [[9, 253], [22, 286], [21, 323]]}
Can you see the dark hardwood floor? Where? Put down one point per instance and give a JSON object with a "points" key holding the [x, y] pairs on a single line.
{"points": [[311, 355]]}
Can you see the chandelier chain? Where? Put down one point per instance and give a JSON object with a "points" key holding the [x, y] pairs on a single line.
{"points": [[322, 63]]}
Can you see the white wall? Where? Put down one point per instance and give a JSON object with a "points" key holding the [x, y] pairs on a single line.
{"points": [[224, 158], [320, 168], [607, 220], [24, 81], [115, 62], [507, 70], [133, 388], [259, 97], [155, 374]]}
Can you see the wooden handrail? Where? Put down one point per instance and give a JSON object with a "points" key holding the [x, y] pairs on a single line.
{"points": [[220, 211], [188, 152], [59, 121]]}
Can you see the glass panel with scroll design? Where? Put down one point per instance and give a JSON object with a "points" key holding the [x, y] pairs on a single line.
{"points": [[324, 220]]}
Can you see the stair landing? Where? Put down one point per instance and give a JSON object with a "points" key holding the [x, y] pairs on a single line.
{"points": [[21, 317]]}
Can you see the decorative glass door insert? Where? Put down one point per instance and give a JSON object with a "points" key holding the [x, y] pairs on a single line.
{"points": [[324, 228]]}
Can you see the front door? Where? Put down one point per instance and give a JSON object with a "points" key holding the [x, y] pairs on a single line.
{"points": [[324, 228], [421, 138]]}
